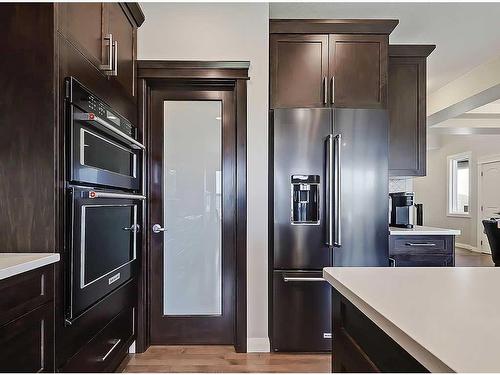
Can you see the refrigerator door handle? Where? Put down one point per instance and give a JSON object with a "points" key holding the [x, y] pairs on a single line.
{"points": [[329, 190], [337, 241]]}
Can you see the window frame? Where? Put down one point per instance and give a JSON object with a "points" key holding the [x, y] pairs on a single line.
{"points": [[451, 159]]}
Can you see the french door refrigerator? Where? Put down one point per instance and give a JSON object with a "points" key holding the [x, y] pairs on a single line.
{"points": [[328, 206]]}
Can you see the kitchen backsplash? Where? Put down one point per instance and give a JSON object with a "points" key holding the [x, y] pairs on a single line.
{"points": [[400, 184]]}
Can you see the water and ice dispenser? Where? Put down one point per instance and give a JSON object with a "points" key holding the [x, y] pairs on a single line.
{"points": [[305, 192]]}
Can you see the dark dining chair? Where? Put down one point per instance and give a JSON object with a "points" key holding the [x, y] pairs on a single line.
{"points": [[493, 233]]}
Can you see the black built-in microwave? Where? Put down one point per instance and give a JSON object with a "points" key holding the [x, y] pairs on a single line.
{"points": [[102, 148]]}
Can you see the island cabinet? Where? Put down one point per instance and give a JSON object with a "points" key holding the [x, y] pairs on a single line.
{"points": [[407, 109], [360, 346], [27, 321], [341, 63], [105, 33]]}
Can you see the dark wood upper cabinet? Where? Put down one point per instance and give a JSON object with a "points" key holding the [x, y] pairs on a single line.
{"points": [[407, 109], [317, 63], [299, 70], [101, 30], [358, 70], [124, 33], [83, 25]]}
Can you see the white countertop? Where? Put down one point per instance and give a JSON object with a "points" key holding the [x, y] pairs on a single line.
{"points": [[423, 231], [447, 318], [12, 264]]}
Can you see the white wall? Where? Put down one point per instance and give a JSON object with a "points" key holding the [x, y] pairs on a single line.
{"points": [[227, 31], [431, 190]]}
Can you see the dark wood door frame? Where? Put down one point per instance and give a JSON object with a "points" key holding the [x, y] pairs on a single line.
{"points": [[231, 75]]}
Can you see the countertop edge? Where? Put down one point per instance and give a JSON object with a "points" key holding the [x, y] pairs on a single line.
{"points": [[417, 351], [409, 232], [29, 265]]}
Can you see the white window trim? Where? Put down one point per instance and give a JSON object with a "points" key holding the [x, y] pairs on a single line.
{"points": [[463, 155]]}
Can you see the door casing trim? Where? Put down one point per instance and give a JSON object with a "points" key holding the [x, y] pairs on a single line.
{"points": [[229, 73]]}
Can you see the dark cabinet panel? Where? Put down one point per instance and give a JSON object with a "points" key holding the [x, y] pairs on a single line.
{"points": [[358, 70], [299, 68], [27, 321], [25, 292], [27, 343], [124, 34], [100, 31], [360, 346], [83, 24], [106, 350], [422, 260], [350, 357], [407, 109]]}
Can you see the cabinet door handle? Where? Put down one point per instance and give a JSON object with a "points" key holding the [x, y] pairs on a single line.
{"points": [[115, 343], [332, 89], [325, 91], [114, 72], [109, 66], [392, 262], [420, 244]]}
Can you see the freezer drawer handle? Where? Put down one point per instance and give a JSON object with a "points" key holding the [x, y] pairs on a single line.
{"points": [[420, 244], [286, 279]]}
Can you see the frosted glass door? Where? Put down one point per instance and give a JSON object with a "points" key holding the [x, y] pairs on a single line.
{"points": [[192, 208]]}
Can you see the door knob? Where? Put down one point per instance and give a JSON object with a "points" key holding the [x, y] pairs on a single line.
{"points": [[157, 228]]}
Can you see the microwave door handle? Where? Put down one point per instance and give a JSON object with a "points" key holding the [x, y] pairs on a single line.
{"points": [[337, 195], [329, 191], [92, 117], [101, 194]]}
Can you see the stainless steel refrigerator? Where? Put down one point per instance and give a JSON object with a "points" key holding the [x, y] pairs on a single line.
{"points": [[328, 206]]}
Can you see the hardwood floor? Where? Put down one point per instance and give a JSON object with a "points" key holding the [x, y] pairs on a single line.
{"points": [[467, 258], [222, 359]]}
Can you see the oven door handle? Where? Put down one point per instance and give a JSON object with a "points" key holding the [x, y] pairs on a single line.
{"points": [[101, 194], [93, 117]]}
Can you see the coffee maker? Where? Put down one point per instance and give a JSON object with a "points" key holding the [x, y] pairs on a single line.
{"points": [[402, 210]]}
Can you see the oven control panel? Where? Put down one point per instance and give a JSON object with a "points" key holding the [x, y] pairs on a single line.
{"points": [[78, 95]]}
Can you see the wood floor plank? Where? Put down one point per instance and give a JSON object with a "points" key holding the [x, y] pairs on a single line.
{"points": [[222, 359]]}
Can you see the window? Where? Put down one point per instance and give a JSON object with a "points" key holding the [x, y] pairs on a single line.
{"points": [[459, 184]]}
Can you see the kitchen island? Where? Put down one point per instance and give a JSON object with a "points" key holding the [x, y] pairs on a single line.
{"points": [[415, 319]]}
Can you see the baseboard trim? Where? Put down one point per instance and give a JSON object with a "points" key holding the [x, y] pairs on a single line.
{"points": [[467, 247], [258, 345]]}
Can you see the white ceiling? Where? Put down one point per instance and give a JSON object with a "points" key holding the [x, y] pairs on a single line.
{"points": [[466, 34]]}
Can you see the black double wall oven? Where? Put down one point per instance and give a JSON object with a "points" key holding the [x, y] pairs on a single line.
{"points": [[103, 215]]}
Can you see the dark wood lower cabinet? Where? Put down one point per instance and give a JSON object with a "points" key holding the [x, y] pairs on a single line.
{"points": [[27, 322], [107, 349], [421, 251], [359, 345], [27, 343], [107, 327]]}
